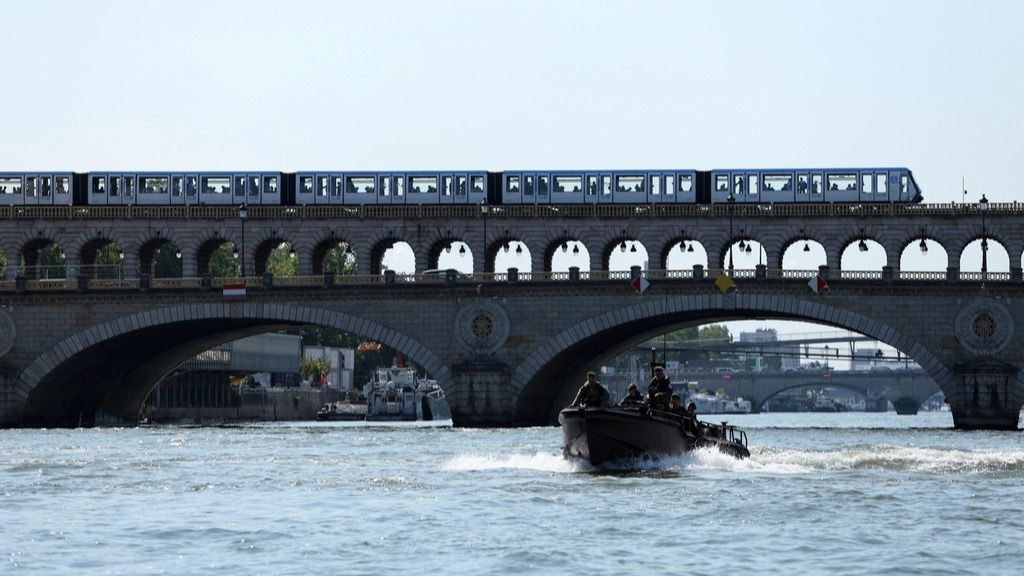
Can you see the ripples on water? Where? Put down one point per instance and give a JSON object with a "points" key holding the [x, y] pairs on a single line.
{"points": [[838, 493]]}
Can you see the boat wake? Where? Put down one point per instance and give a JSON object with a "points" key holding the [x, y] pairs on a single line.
{"points": [[539, 461]]}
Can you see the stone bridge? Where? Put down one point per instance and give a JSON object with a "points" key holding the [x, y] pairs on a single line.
{"points": [[905, 389], [508, 352]]}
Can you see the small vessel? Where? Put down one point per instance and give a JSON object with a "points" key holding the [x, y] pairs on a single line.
{"points": [[716, 404], [341, 411], [605, 434], [396, 393]]}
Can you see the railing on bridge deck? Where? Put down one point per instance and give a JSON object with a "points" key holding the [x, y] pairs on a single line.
{"points": [[318, 211], [58, 283]]}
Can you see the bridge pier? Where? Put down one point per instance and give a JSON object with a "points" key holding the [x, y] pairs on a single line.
{"points": [[986, 397], [481, 394]]}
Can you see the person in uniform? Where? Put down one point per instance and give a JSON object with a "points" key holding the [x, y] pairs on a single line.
{"points": [[592, 394], [659, 390], [676, 405], [633, 396]]}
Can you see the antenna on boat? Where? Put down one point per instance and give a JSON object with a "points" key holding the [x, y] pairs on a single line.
{"points": [[654, 358]]}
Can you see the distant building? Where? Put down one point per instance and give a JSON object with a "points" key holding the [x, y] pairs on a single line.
{"points": [[788, 354]]}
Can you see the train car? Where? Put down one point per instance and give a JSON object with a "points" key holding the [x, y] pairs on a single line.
{"points": [[36, 188], [175, 188], [814, 185], [366, 188], [598, 186]]}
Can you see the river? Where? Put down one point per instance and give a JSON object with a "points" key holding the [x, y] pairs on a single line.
{"points": [[822, 494]]}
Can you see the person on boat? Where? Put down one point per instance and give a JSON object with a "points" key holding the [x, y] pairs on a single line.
{"points": [[632, 397], [592, 394], [659, 390], [691, 417], [676, 405]]}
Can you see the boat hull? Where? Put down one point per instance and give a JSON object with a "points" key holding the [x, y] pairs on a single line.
{"points": [[605, 434]]}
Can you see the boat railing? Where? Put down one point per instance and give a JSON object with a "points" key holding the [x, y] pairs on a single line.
{"points": [[727, 433]]}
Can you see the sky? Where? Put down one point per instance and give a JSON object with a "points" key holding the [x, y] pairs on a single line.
{"points": [[474, 84]]}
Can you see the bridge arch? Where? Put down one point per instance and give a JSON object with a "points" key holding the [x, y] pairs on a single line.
{"points": [[570, 353], [67, 385]]}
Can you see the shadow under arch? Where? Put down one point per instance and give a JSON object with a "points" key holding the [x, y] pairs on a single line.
{"points": [[105, 372], [547, 380]]}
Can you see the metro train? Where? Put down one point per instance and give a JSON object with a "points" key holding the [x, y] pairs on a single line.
{"points": [[461, 187]]}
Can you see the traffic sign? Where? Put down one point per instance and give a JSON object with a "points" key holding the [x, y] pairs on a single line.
{"points": [[640, 284]]}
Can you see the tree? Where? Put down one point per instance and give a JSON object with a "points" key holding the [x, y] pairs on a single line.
{"points": [[109, 262], [223, 263], [283, 261], [340, 260], [166, 262]]}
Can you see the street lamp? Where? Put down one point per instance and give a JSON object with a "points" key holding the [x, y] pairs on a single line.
{"points": [[243, 213], [732, 202], [484, 209], [984, 238]]}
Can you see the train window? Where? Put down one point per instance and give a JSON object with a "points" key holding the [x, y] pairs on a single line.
{"points": [[44, 186], [512, 183], [30, 187], [571, 183], [385, 185], [629, 184], [656, 185], [865, 184], [722, 183], [359, 185], [842, 181], [63, 183], [153, 185], [254, 186], [478, 184], [10, 185], [816, 180], [423, 184], [752, 184], [216, 185], [904, 183], [336, 186], [115, 186], [685, 182], [528, 188], [399, 186], [607, 189], [883, 184], [737, 185], [592, 186], [322, 182], [129, 186], [670, 184], [270, 184], [460, 188], [542, 186], [191, 186], [781, 182], [177, 186], [306, 184], [240, 186], [447, 180]]}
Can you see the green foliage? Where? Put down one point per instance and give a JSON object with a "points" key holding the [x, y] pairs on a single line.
{"points": [[223, 263], [166, 263], [314, 368], [714, 332], [3, 263], [109, 263], [340, 260], [283, 261], [51, 262]]}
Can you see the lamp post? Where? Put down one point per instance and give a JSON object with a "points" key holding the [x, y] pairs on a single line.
{"points": [[984, 238], [484, 209], [732, 202], [243, 213]]}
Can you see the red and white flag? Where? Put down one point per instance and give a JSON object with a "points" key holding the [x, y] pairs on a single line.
{"points": [[818, 285], [234, 291]]}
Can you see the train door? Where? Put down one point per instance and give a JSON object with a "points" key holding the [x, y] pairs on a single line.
{"points": [[477, 188], [177, 196], [529, 188], [271, 190], [592, 192], [686, 187], [128, 189], [115, 189], [238, 189], [31, 189], [655, 192], [511, 188], [63, 189], [192, 189], [446, 193], [253, 195], [882, 186], [902, 180], [606, 191], [304, 189]]}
